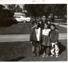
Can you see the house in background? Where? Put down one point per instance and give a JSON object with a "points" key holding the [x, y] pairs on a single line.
{"points": [[17, 14]]}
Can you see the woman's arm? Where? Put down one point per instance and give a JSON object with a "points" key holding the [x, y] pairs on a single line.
{"points": [[31, 35]]}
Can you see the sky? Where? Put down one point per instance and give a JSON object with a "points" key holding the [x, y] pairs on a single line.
{"points": [[21, 5]]}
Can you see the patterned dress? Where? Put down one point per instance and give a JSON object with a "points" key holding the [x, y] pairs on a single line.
{"points": [[45, 37]]}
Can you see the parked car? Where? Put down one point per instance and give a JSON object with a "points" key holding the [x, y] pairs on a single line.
{"points": [[23, 19]]}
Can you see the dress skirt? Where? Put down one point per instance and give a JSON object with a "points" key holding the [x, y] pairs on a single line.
{"points": [[46, 40]]}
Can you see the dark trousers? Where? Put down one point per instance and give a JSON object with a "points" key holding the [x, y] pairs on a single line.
{"points": [[46, 49], [35, 47]]}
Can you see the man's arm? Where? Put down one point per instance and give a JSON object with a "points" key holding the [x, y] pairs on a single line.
{"points": [[31, 35]]}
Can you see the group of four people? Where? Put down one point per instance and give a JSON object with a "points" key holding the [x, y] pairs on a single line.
{"points": [[44, 36]]}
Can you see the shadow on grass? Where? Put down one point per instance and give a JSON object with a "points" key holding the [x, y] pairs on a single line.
{"points": [[62, 48], [8, 25], [16, 59]]}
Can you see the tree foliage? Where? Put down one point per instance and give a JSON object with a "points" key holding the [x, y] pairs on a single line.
{"points": [[41, 9], [14, 8], [1, 7]]}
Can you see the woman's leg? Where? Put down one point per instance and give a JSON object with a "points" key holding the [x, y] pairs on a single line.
{"points": [[47, 50], [37, 48], [56, 50], [52, 49], [44, 50], [34, 48]]}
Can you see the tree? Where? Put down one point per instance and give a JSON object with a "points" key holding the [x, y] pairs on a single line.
{"points": [[34, 10], [18, 9], [31, 9], [14, 8], [1, 7], [37, 10], [58, 9]]}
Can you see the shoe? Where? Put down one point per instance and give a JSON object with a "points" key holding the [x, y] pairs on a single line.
{"points": [[37, 54], [46, 55], [33, 55], [57, 56], [51, 55], [43, 55]]}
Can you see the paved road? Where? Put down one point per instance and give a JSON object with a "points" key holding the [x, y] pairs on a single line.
{"points": [[24, 37], [65, 26]]}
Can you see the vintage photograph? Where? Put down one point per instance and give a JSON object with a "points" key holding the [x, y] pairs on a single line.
{"points": [[33, 32]]}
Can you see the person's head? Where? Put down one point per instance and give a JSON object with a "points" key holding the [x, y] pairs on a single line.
{"points": [[37, 25], [52, 27], [34, 23], [43, 17], [49, 22], [45, 26]]}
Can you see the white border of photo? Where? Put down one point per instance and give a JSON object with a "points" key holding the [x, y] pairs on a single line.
{"points": [[33, 1]]}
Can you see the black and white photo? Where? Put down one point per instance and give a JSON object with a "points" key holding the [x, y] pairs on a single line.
{"points": [[33, 32]]}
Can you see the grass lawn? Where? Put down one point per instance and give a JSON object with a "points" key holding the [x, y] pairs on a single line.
{"points": [[21, 51], [62, 29], [23, 28]]}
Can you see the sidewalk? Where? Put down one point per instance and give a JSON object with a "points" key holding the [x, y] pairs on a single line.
{"points": [[24, 37], [65, 26]]}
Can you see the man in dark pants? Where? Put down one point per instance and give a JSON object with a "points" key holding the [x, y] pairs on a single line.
{"points": [[35, 39], [42, 22]]}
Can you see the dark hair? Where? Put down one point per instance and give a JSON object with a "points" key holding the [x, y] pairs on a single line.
{"points": [[38, 24], [53, 26], [48, 21], [34, 22], [46, 24]]}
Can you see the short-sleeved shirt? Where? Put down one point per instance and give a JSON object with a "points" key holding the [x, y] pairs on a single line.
{"points": [[46, 32]]}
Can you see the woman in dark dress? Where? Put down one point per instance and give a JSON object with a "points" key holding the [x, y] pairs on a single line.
{"points": [[45, 40]]}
